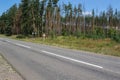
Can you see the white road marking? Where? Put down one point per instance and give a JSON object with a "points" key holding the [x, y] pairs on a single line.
{"points": [[18, 44], [7, 41], [68, 58], [75, 60], [22, 45]]}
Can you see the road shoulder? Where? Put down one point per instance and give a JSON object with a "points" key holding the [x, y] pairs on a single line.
{"points": [[6, 71]]}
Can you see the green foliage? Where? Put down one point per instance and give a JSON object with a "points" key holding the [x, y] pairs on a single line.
{"points": [[20, 36], [65, 32], [111, 33], [55, 2], [77, 34], [8, 31], [25, 22], [98, 33], [2, 30], [52, 34], [46, 16], [116, 37], [26, 30]]}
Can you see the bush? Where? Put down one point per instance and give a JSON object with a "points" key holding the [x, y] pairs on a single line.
{"points": [[52, 34], [116, 38], [77, 34], [98, 33], [111, 33], [30, 36], [20, 36], [65, 32]]}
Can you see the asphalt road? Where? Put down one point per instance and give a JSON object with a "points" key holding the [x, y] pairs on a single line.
{"points": [[42, 62]]}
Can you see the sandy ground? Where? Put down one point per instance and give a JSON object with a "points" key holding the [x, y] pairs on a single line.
{"points": [[7, 72]]}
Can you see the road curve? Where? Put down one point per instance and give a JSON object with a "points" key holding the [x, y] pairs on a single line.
{"points": [[42, 62]]}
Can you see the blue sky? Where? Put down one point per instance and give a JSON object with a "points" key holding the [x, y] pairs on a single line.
{"points": [[98, 5]]}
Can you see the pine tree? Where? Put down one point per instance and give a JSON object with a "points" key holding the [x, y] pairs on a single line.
{"points": [[17, 20], [49, 10], [25, 22], [110, 15], [42, 16], [79, 10]]}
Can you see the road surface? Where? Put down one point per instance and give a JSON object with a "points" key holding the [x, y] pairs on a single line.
{"points": [[42, 62]]}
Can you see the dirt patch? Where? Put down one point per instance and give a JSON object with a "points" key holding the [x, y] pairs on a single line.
{"points": [[7, 72]]}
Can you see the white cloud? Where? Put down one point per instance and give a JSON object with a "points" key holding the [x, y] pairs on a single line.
{"points": [[87, 13]]}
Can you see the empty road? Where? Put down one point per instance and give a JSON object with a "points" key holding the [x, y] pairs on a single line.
{"points": [[42, 62]]}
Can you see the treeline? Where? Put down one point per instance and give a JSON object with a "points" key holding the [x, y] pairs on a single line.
{"points": [[35, 17]]}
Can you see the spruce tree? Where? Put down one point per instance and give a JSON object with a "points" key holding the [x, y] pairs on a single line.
{"points": [[25, 22]]}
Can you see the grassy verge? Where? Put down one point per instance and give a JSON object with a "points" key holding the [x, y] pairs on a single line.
{"points": [[101, 46]]}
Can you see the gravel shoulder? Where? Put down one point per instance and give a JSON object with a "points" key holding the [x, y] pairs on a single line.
{"points": [[7, 72]]}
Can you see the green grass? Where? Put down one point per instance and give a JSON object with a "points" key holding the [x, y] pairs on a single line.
{"points": [[100, 46]]}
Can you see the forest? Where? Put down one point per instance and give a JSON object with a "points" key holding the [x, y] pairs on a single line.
{"points": [[35, 17]]}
